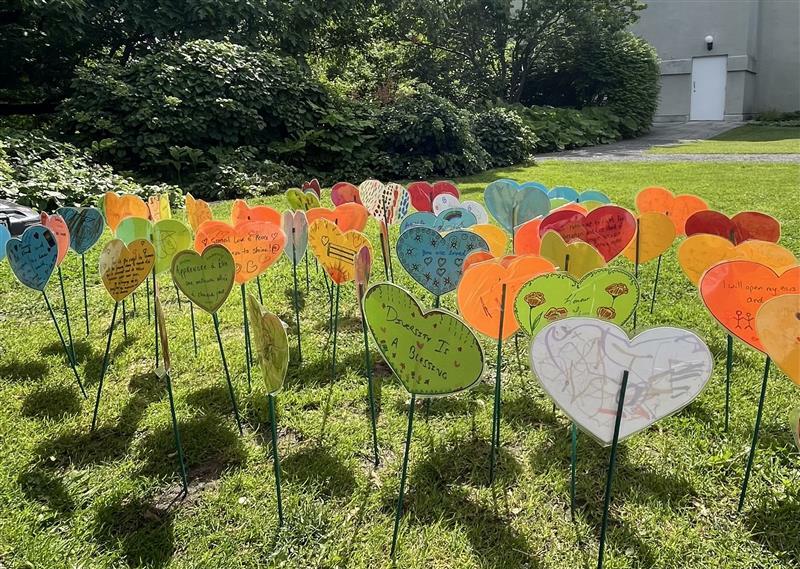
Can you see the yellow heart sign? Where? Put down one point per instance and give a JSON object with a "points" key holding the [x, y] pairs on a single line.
{"points": [[495, 237], [577, 258], [117, 208], [125, 268], [335, 250], [656, 234], [197, 211], [778, 328]]}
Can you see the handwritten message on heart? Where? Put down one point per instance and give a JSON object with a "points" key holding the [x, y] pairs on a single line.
{"points": [[295, 226], [270, 344], [656, 234], [300, 200], [423, 193], [85, 226], [609, 229], [677, 208], [577, 258], [241, 212], [255, 245], [58, 227], [197, 212], [124, 267], [117, 208], [580, 361], [205, 279], [344, 192], [432, 353], [336, 250], [739, 228], [700, 252], [512, 204], [33, 256], [778, 328], [348, 216], [448, 220]]}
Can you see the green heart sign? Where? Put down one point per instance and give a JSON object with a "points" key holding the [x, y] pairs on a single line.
{"points": [[270, 344], [169, 237], [607, 294], [205, 279], [302, 201], [432, 353]]}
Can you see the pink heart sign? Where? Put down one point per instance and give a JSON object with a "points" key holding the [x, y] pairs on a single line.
{"points": [[609, 229]]}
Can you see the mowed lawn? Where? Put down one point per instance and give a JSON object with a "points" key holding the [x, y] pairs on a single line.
{"points": [[71, 498], [747, 139]]}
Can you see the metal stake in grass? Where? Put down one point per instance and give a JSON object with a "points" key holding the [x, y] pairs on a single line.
{"points": [[335, 334], [70, 359], [194, 330], [655, 285], [636, 267], [370, 388], [258, 285], [105, 366], [728, 370], [155, 317], [756, 430], [164, 374], [308, 281], [295, 299], [276, 461], [612, 462], [85, 296], [246, 336], [124, 321], [231, 392], [573, 468], [399, 510], [496, 414], [66, 313], [147, 286]]}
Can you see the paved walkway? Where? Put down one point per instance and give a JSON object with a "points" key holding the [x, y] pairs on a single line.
{"points": [[634, 150]]}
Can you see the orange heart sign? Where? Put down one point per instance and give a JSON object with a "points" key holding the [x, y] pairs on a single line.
{"points": [[123, 268], [255, 245], [495, 237], [336, 250], [242, 212], [117, 208], [347, 217], [527, 240], [778, 328], [58, 227], [656, 234], [197, 211], [577, 258], [481, 288], [700, 252], [677, 208], [733, 291]]}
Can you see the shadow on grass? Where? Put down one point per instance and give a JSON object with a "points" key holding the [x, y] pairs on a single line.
{"points": [[318, 372], [47, 489], [19, 371], [83, 349], [772, 521], [323, 472], [54, 402], [288, 294]]}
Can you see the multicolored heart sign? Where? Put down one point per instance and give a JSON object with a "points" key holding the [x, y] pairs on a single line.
{"points": [[241, 212], [197, 212], [580, 363], [739, 228], [169, 237], [423, 193], [301, 201], [794, 424], [609, 228], [577, 258], [677, 208], [335, 250], [700, 252], [345, 192], [444, 202], [5, 235], [448, 220], [434, 261], [270, 344], [432, 353], [255, 245], [205, 279], [733, 291], [512, 205], [85, 225], [117, 208], [495, 238], [388, 203], [58, 227], [295, 226], [123, 268], [778, 328], [607, 294], [656, 234], [348, 216], [33, 256], [158, 206]]}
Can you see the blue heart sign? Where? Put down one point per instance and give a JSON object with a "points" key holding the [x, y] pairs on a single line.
{"points": [[447, 220], [512, 204], [85, 225], [33, 256]]}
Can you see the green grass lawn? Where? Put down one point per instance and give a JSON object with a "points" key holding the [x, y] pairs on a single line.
{"points": [[747, 139], [70, 498]]}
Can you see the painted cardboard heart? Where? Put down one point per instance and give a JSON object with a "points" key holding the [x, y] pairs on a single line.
{"points": [[116, 208], [270, 344], [33, 256], [169, 237], [580, 363], [432, 353], [444, 202], [241, 212], [656, 235], [609, 228], [205, 279], [387, 203], [572, 195], [423, 193], [363, 267], [434, 261], [336, 250], [345, 192], [124, 267], [5, 235], [158, 206], [794, 424], [677, 208], [85, 225], [481, 288], [448, 220], [512, 205], [577, 258], [739, 228], [295, 227], [132, 229], [314, 186], [58, 227], [733, 291], [255, 245], [607, 294], [197, 212], [778, 328], [495, 238], [527, 240], [348, 216], [300, 200], [700, 252]]}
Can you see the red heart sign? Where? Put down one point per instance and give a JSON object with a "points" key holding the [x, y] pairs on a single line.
{"points": [[422, 193], [314, 186], [608, 228], [345, 192], [741, 227]]}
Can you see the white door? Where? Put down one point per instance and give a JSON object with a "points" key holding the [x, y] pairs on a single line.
{"points": [[708, 88]]}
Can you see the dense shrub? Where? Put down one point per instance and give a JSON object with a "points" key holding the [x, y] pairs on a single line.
{"points": [[504, 135], [562, 129]]}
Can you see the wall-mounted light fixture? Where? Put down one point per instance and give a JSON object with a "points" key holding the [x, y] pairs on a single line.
{"points": [[710, 42]]}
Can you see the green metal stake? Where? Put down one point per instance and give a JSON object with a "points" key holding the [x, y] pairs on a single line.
{"points": [[496, 413], [155, 317], [66, 314], [231, 393], [276, 461], [399, 510], [370, 391], [147, 285], [133, 298], [636, 270], [176, 433], [296, 301], [655, 285], [124, 322], [258, 285], [64, 344], [573, 465], [611, 464], [756, 430], [85, 296], [194, 330], [105, 366], [246, 337], [335, 333], [308, 280], [436, 301], [728, 370], [177, 295]]}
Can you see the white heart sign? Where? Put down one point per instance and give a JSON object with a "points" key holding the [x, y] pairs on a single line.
{"points": [[580, 364], [447, 201]]}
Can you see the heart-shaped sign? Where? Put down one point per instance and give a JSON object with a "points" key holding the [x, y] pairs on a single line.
{"points": [[445, 202], [739, 228], [58, 227], [301, 200], [205, 279], [495, 238], [572, 195], [512, 205], [794, 424], [5, 235], [434, 261], [778, 328], [270, 344], [733, 291], [336, 250], [124, 267], [33, 256], [700, 252], [387, 203], [432, 353], [295, 226], [241, 212], [609, 228], [117, 208], [363, 265], [197, 212], [345, 192], [348, 216], [656, 234], [422, 194], [607, 294], [314, 186], [677, 208], [158, 207], [255, 245], [85, 225], [480, 292], [169, 237], [132, 229], [527, 240], [580, 364], [577, 258], [448, 220]]}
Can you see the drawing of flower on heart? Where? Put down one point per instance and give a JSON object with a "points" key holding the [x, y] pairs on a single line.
{"points": [[535, 299]]}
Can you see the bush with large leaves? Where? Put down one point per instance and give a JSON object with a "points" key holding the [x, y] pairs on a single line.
{"points": [[504, 135]]}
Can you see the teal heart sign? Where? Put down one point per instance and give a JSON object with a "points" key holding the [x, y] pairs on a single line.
{"points": [[512, 204], [434, 261], [5, 235], [85, 224], [432, 353], [448, 220], [33, 256]]}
